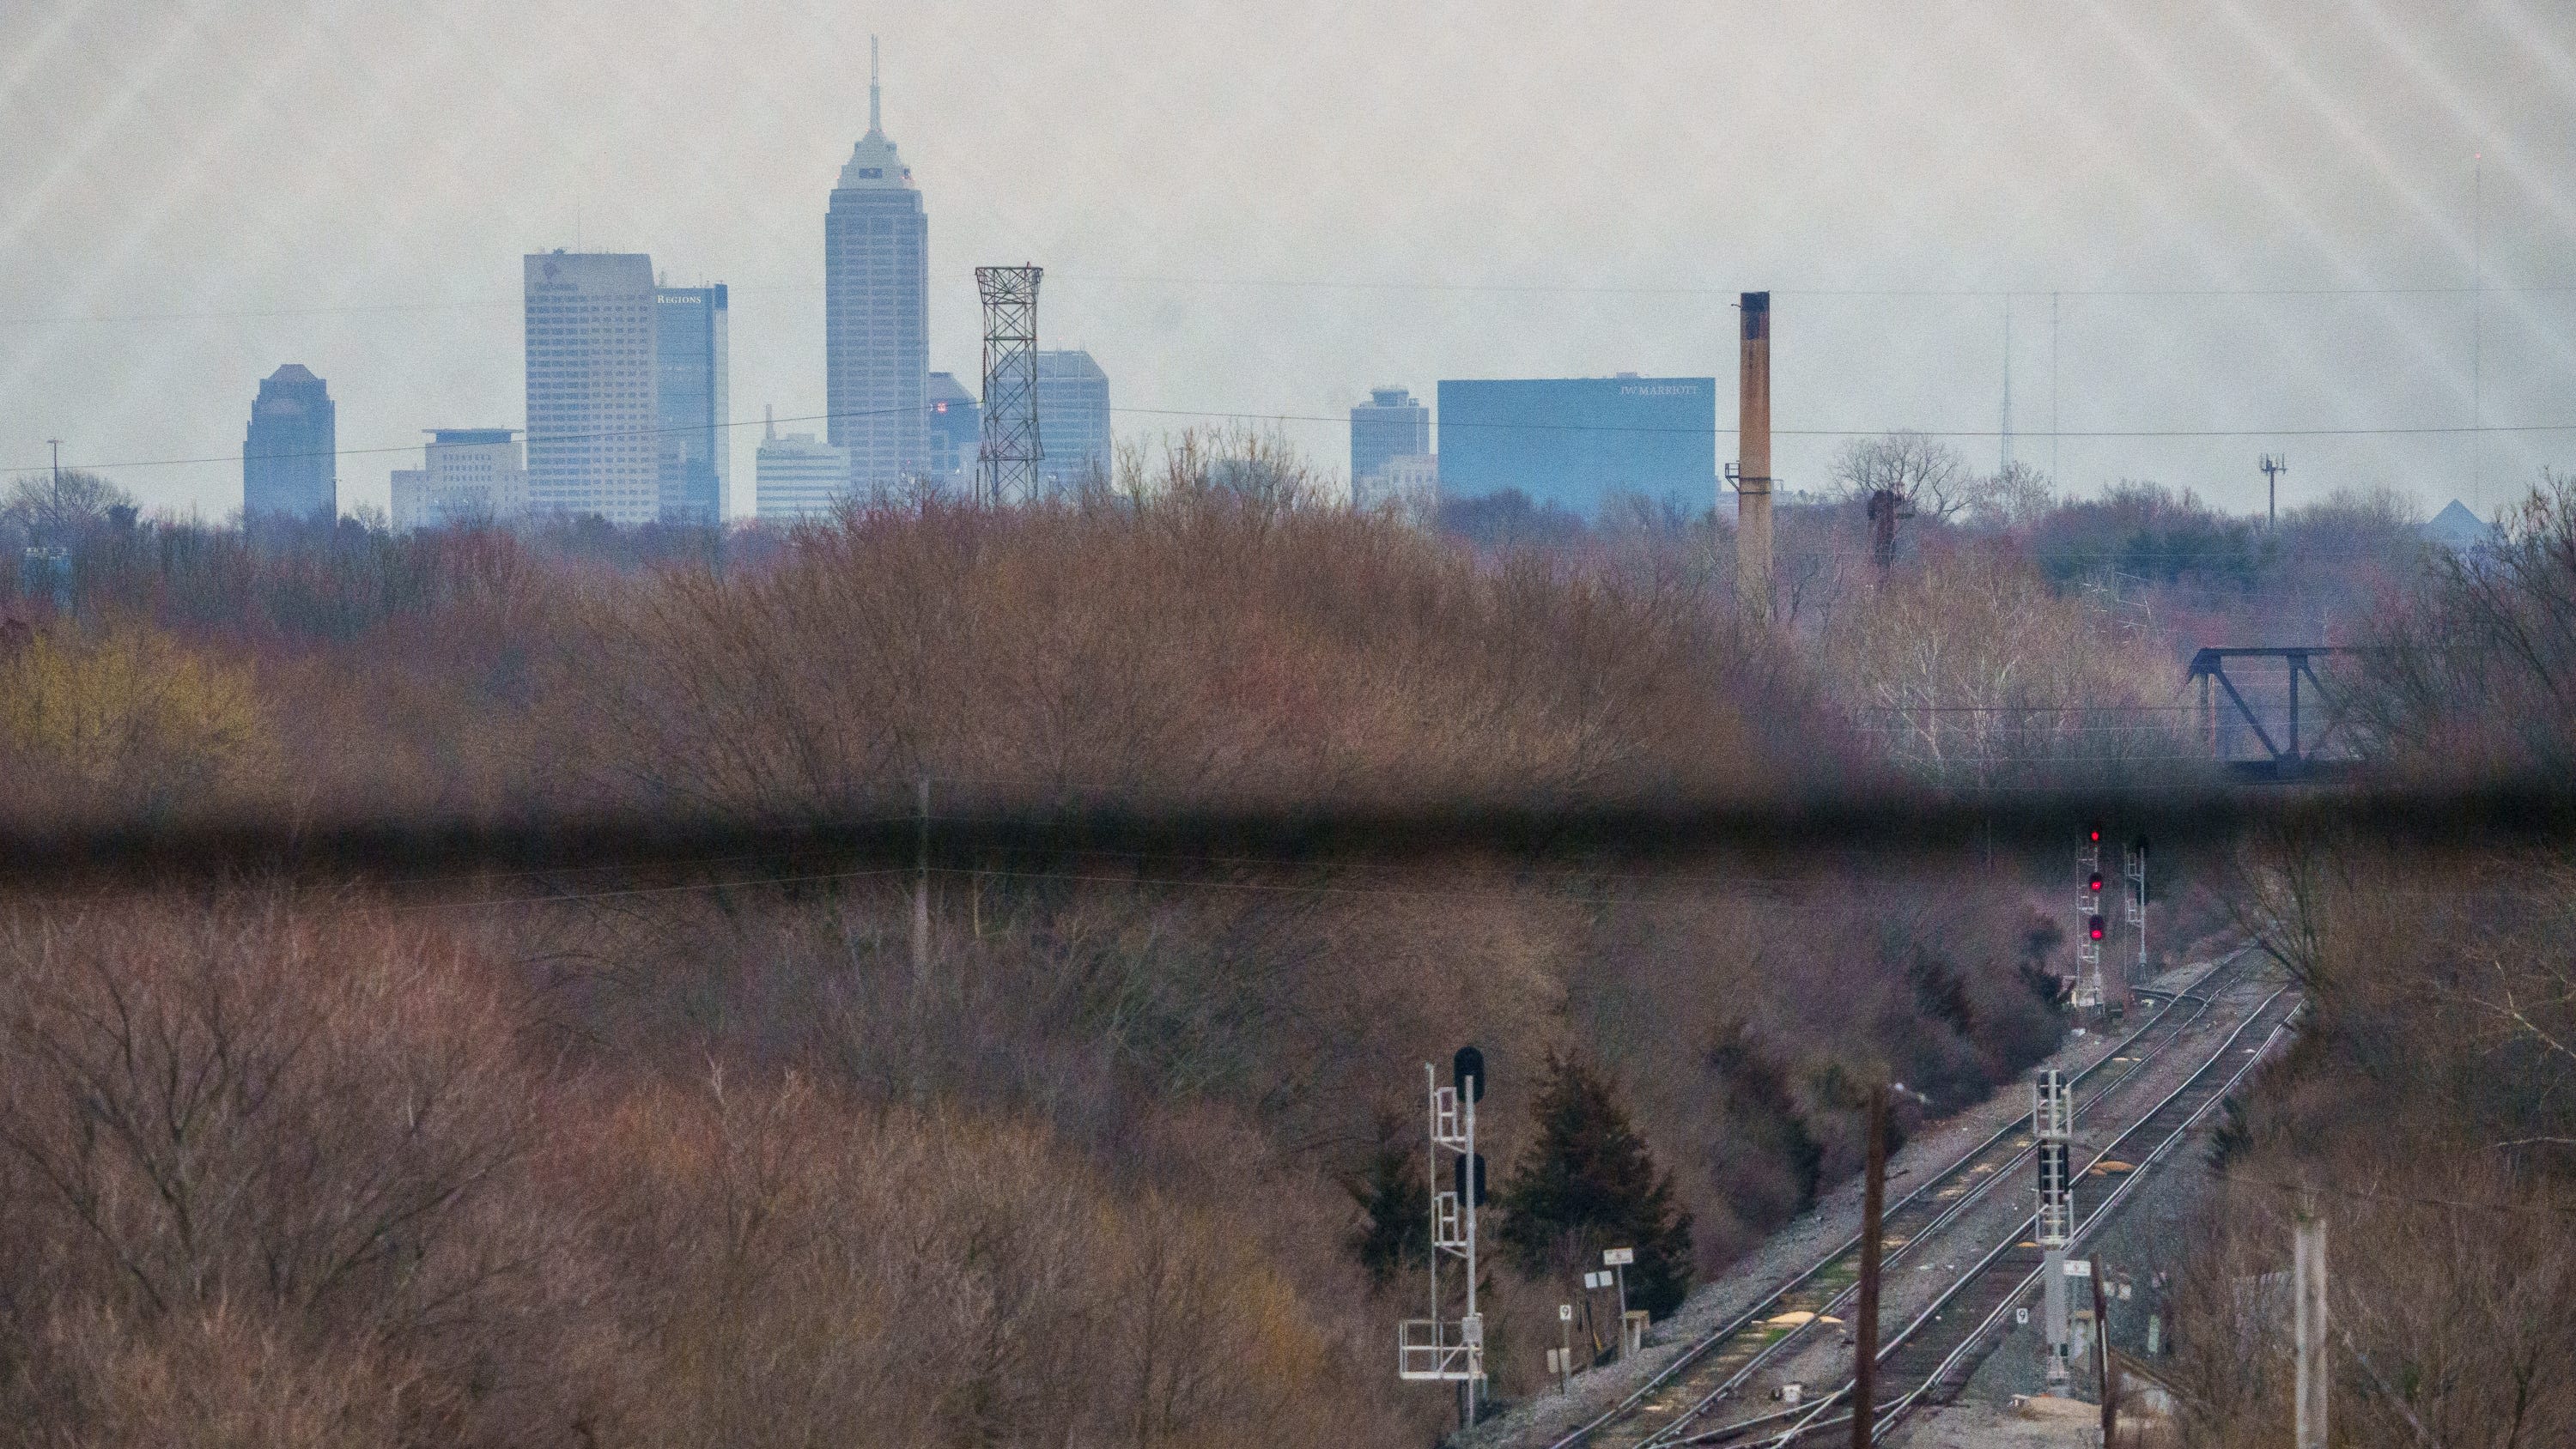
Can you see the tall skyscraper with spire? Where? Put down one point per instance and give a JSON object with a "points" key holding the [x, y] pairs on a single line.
{"points": [[876, 284]]}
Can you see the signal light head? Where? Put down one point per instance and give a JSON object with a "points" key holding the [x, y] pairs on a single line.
{"points": [[2095, 926], [2093, 883]]}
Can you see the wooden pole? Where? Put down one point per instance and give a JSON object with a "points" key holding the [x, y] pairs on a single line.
{"points": [[1873, 1205], [921, 903], [2308, 1326], [2102, 1353]]}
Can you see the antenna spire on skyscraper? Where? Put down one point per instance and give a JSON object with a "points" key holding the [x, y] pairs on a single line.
{"points": [[876, 125]]}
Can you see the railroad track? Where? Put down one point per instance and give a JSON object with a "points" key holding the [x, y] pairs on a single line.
{"points": [[1663, 1410], [1933, 1354]]}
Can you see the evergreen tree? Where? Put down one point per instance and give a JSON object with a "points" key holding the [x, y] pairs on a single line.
{"points": [[1393, 1191], [1587, 1183]]}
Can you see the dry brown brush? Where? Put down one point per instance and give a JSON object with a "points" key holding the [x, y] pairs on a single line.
{"points": [[2425, 1114]]}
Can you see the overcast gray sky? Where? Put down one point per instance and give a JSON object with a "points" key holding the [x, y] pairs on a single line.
{"points": [[2259, 214]]}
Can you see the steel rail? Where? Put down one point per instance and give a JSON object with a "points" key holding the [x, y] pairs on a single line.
{"points": [[1670, 1433], [2209, 982], [2011, 1241], [1907, 1402]]}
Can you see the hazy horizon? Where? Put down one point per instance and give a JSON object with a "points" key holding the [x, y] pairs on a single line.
{"points": [[2260, 227]]}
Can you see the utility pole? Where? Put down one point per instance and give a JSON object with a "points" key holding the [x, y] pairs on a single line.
{"points": [[2308, 1325], [1873, 1207], [921, 902], [2102, 1354], [2273, 466], [57, 445]]}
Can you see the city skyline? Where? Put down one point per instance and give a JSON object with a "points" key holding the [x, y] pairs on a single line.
{"points": [[1528, 197]]}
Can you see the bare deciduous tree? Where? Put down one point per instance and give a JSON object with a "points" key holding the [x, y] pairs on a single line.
{"points": [[1904, 475], [2015, 497], [54, 510]]}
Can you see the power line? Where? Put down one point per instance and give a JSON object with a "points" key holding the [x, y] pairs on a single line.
{"points": [[1332, 285], [611, 434], [1883, 432], [1822, 292]]}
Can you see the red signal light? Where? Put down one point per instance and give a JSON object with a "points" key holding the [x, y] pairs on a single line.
{"points": [[2093, 883], [2095, 926]]}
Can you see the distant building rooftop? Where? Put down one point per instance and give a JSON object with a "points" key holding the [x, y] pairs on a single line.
{"points": [[2455, 527]]}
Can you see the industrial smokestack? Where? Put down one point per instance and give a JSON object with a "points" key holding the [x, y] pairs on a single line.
{"points": [[1753, 460]]}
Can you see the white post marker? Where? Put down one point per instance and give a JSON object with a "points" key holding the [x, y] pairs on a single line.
{"points": [[1618, 1259]]}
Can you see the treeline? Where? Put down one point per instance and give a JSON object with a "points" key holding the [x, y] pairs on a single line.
{"points": [[282, 1174], [1217, 642], [2425, 1110], [714, 1155], [689, 1158]]}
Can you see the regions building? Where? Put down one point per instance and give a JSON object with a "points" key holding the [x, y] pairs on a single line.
{"points": [[797, 477], [1579, 442], [469, 476], [692, 458], [956, 425], [1389, 425], [289, 456], [1073, 421], [876, 331], [593, 388]]}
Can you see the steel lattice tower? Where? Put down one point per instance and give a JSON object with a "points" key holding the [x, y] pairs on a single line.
{"points": [[1006, 465]]}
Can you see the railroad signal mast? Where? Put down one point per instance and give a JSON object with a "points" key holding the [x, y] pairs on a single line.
{"points": [[2088, 994], [2134, 874], [2052, 1130], [1435, 1349]]}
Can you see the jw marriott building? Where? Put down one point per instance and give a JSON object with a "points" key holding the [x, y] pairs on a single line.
{"points": [[876, 280]]}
